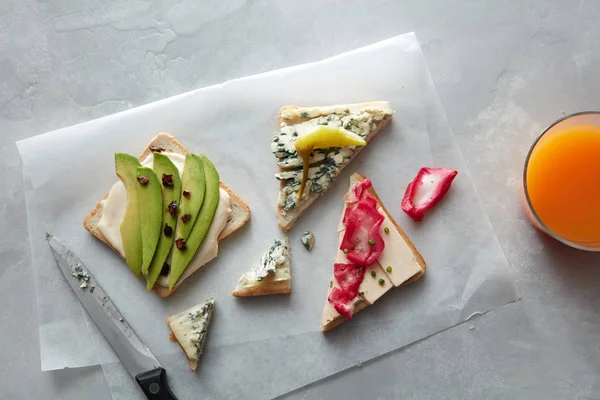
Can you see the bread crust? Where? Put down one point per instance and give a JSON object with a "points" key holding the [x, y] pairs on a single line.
{"points": [[267, 288], [356, 177], [193, 364], [171, 144], [285, 224]]}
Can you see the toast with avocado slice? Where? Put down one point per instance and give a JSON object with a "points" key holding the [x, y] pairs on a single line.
{"points": [[106, 219], [313, 176]]}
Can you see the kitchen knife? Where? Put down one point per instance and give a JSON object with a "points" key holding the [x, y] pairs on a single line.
{"points": [[135, 356]]}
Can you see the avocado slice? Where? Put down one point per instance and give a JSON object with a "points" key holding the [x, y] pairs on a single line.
{"points": [[131, 233], [164, 166], [182, 257], [193, 185], [150, 199]]}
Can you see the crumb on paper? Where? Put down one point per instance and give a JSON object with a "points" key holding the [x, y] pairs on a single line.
{"points": [[308, 240]]}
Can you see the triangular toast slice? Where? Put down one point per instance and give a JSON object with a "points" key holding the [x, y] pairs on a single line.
{"points": [[399, 264], [271, 275], [240, 212], [189, 329], [364, 119]]}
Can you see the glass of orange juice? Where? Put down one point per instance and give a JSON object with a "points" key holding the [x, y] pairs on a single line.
{"points": [[561, 181]]}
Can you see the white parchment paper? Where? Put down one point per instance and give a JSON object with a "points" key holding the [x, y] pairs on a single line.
{"points": [[263, 347]]}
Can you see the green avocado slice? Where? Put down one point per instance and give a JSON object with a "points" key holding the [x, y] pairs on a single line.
{"points": [[150, 200], [164, 166], [193, 186], [182, 256], [131, 233]]}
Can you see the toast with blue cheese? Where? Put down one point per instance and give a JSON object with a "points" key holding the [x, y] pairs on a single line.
{"points": [[363, 119], [189, 329], [271, 275]]}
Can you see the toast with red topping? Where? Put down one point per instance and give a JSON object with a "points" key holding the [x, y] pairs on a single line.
{"points": [[374, 255]]}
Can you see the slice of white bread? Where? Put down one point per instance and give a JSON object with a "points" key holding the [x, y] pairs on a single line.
{"points": [[287, 219], [360, 304], [279, 283], [240, 212], [196, 329]]}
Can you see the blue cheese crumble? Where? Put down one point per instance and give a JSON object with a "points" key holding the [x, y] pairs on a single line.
{"points": [[82, 276], [308, 240]]}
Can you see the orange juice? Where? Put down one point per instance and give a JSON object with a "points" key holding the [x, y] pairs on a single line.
{"points": [[562, 181]]}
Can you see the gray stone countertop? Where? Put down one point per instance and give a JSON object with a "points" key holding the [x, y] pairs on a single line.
{"points": [[504, 70]]}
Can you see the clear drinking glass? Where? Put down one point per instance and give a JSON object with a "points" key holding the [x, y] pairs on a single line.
{"points": [[561, 181]]}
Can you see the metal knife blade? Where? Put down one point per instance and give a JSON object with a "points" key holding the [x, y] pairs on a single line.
{"points": [[134, 354]]}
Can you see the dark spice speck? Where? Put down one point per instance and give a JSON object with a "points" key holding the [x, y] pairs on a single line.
{"points": [[168, 231], [143, 180], [172, 208], [186, 193], [167, 180], [165, 269], [156, 149], [186, 217], [180, 243]]}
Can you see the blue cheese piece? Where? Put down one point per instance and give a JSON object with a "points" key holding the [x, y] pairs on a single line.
{"points": [[316, 156], [270, 275], [341, 156], [80, 273], [319, 180], [320, 176], [190, 329], [308, 240]]}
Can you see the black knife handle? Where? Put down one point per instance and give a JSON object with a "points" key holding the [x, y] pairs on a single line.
{"points": [[154, 384]]}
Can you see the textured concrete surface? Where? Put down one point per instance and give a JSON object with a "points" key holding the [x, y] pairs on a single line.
{"points": [[504, 70]]}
